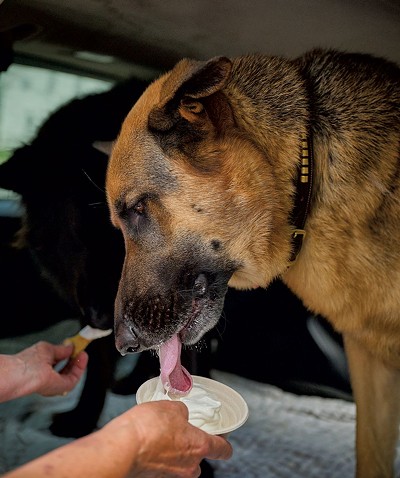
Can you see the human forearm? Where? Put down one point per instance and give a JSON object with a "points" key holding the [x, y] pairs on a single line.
{"points": [[14, 380], [95, 456], [149, 440]]}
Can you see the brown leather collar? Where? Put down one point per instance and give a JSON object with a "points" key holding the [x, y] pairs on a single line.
{"points": [[303, 195]]}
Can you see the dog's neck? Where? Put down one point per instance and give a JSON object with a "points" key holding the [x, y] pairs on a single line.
{"points": [[302, 195]]}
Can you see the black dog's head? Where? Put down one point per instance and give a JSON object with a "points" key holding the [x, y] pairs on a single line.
{"points": [[66, 224]]}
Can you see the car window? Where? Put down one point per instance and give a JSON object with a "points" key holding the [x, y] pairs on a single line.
{"points": [[28, 95]]}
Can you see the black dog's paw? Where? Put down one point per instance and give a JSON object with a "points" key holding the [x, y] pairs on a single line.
{"points": [[71, 425], [207, 470]]}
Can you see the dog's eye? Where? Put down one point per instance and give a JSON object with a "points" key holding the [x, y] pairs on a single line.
{"points": [[139, 208], [136, 214]]}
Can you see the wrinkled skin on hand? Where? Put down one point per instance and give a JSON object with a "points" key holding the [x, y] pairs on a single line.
{"points": [[167, 444], [32, 371]]}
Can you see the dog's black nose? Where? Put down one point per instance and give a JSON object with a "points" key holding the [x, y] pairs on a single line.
{"points": [[126, 340], [200, 285]]}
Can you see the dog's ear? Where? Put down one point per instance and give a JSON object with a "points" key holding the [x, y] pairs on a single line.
{"points": [[104, 146], [187, 91]]}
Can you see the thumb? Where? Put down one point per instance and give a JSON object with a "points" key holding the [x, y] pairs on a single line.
{"points": [[62, 352], [219, 448]]}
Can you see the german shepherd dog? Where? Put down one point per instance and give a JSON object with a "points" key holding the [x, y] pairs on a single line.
{"points": [[232, 172]]}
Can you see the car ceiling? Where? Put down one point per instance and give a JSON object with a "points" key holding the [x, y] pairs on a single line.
{"points": [[144, 37]]}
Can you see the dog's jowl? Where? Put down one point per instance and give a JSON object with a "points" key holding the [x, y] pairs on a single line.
{"points": [[231, 172]]}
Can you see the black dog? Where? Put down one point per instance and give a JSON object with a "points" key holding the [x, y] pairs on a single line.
{"points": [[66, 227]]}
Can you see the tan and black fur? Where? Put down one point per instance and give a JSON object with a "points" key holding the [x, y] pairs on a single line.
{"points": [[202, 183]]}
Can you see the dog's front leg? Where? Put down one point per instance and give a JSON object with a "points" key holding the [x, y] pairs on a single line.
{"points": [[376, 390]]}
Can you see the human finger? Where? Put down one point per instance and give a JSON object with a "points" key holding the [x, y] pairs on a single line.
{"points": [[62, 352], [180, 406], [73, 371], [219, 448], [197, 472], [76, 365]]}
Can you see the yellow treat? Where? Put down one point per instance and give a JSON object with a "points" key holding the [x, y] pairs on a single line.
{"points": [[79, 343], [82, 339]]}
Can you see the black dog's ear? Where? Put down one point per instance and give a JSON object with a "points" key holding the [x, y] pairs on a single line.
{"points": [[185, 91], [104, 147]]}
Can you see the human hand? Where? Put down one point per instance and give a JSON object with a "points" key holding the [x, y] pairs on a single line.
{"points": [[151, 440], [165, 443], [34, 369]]}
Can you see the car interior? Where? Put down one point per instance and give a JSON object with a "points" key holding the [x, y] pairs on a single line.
{"points": [[69, 74]]}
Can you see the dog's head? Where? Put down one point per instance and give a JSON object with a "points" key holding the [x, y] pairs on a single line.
{"points": [[182, 187], [61, 179], [65, 226]]}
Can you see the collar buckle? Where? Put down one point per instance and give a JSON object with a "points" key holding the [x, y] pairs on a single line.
{"points": [[298, 236], [299, 232]]}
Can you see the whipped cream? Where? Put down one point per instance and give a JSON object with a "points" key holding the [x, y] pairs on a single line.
{"points": [[204, 408]]}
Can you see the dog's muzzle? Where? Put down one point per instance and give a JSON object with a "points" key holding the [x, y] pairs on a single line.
{"points": [[189, 311]]}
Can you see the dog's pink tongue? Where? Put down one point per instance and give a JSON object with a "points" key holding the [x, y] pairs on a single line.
{"points": [[175, 378]]}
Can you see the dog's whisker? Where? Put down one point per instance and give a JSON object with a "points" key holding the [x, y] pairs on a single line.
{"points": [[184, 292], [91, 180]]}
